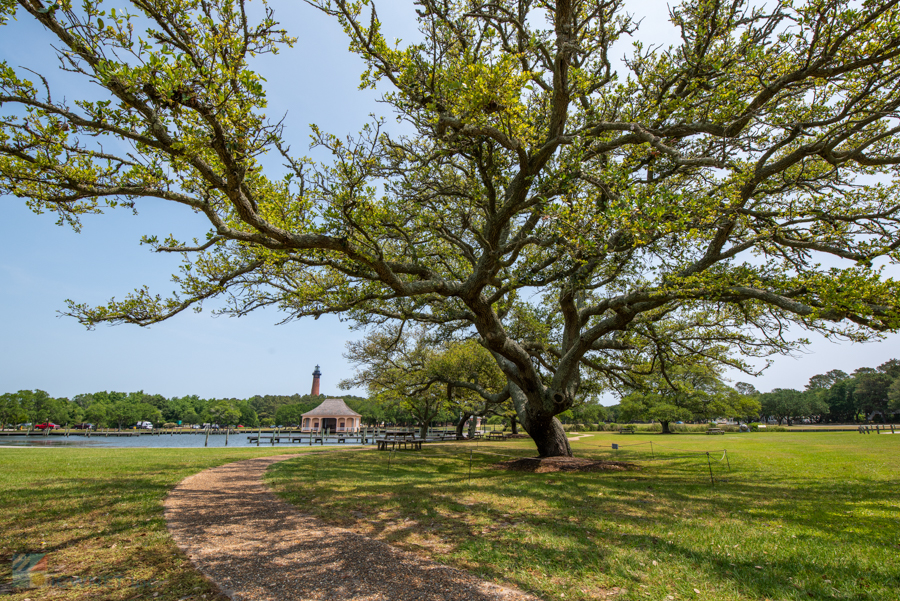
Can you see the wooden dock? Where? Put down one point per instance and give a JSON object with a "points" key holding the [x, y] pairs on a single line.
{"points": [[268, 436], [62, 432], [310, 439], [364, 437]]}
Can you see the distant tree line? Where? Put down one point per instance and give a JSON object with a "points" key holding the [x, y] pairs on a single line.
{"points": [[125, 409], [692, 394], [692, 390], [868, 394], [834, 397]]}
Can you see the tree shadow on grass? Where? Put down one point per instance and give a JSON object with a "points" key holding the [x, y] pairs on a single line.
{"points": [[794, 535], [104, 537]]}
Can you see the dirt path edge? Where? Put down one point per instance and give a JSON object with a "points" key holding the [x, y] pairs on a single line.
{"points": [[253, 546]]}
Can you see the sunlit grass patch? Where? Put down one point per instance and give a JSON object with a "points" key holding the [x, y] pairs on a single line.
{"points": [[797, 516], [97, 514]]}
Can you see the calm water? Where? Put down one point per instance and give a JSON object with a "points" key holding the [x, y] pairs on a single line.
{"points": [[143, 441]]}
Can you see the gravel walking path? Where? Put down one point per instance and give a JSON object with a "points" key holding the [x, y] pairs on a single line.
{"points": [[255, 546]]}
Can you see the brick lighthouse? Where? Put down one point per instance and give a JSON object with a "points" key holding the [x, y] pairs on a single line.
{"points": [[315, 387]]}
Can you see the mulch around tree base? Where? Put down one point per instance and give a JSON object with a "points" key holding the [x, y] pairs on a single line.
{"points": [[254, 546], [544, 465]]}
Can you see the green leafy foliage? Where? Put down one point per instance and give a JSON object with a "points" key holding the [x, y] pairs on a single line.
{"points": [[426, 377], [838, 397], [580, 223], [693, 391], [787, 404]]}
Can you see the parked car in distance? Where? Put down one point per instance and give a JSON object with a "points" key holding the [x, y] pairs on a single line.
{"points": [[47, 426], [83, 426], [144, 425], [196, 426]]}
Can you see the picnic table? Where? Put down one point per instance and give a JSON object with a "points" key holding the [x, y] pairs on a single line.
{"points": [[627, 429], [400, 433], [496, 436], [399, 442]]}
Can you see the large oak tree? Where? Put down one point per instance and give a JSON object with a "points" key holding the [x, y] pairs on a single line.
{"points": [[555, 205]]}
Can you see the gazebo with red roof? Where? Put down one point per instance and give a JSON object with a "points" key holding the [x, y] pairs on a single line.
{"points": [[333, 415]]}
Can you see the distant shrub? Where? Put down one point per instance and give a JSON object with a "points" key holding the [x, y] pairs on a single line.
{"points": [[648, 428], [772, 428], [688, 427], [170, 425]]}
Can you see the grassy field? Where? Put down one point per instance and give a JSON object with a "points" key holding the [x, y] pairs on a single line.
{"points": [[97, 515], [797, 516]]}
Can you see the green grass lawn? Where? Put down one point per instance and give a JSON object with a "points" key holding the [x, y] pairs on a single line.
{"points": [[797, 516], [97, 515]]}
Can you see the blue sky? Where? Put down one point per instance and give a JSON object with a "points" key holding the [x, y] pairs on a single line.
{"points": [[42, 265]]}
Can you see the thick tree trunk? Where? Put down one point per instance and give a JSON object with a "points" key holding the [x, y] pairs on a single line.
{"points": [[423, 430], [545, 430], [514, 425], [551, 440], [665, 427], [461, 425]]}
